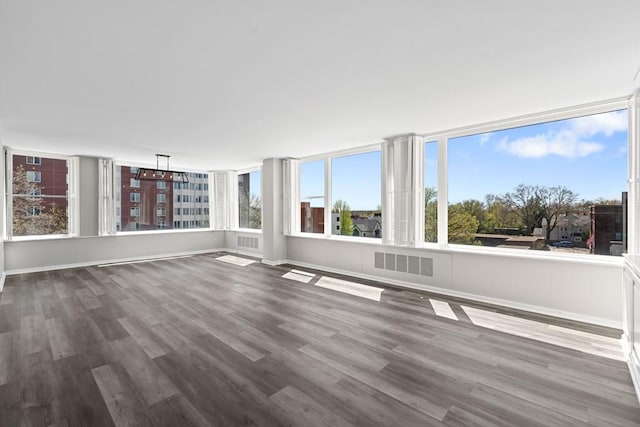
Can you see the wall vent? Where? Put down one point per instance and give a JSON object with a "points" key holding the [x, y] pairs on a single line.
{"points": [[404, 263], [248, 242]]}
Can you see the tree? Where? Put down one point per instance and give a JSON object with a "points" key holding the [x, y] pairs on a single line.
{"points": [[462, 226], [346, 223], [255, 211], [553, 201], [29, 216], [525, 202], [430, 214]]}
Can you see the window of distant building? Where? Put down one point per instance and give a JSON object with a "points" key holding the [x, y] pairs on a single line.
{"points": [[34, 176], [152, 204], [250, 200], [557, 186], [39, 200]]}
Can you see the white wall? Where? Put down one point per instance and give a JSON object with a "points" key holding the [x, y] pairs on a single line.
{"points": [[573, 289], [38, 255]]}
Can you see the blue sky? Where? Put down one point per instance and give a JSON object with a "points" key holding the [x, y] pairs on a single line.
{"points": [[588, 155]]}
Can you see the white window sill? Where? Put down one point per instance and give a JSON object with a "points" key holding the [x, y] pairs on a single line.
{"points": [[160, 231], [247, 230]]}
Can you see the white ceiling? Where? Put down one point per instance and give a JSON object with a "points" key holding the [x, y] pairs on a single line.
{"points": [[225, 84]]}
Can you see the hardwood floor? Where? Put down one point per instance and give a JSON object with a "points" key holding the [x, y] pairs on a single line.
{"points": [[195, 341]]}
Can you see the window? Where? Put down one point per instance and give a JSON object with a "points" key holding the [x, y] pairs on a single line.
{"points": [[534, 187], [34, 176], [185, 211], [134, 169], [33, 211], [431, 192], [356, 198], [152, 204], [250, 200], [134, 183], [312, 196], [39, 200], [34, 192]]}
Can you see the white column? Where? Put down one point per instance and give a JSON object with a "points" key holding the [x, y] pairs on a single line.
{"points": [[224, 210], [274, 242], [399, 169]]}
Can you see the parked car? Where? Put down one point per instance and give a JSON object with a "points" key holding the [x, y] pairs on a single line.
{"points": [[563, 244]]}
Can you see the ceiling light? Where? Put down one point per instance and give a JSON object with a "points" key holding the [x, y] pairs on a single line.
{"points": [[159, 173]]}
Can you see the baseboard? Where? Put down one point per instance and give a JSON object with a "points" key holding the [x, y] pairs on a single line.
{"points": [[4, 276], [480, 298], [106, 261]]}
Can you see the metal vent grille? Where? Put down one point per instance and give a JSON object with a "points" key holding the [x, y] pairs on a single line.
{"points": [[404, 263], [248, 242]]}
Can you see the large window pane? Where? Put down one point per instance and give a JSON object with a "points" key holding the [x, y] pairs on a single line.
{"points": [[152, 204], [356, 195], [559, 186], [312, 191], [39, 196], [250, 200], [431, 192]]}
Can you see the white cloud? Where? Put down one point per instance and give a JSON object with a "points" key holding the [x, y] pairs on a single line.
{"points": [[485, 137], [573, 139], [607, 124]]}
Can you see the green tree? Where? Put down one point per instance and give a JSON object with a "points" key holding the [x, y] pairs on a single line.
{"points": [[430, 214], [462, 226], [346, 223]]}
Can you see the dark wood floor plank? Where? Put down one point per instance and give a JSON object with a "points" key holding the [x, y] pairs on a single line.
{"points": [[125, 407], [194, 341], [152, 384]]}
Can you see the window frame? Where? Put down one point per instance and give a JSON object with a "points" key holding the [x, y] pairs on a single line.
{"points": [[117, 197], [443, 137], [328, 202], [72, 186], [237, 200]]}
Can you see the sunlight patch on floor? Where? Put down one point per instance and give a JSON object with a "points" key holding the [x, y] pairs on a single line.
{"points": [[299, 276], [443, 309], [351, 288], [586, 342], [231, 259]]}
